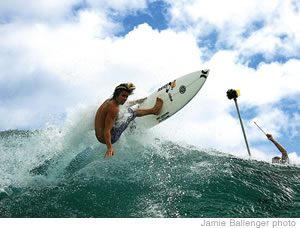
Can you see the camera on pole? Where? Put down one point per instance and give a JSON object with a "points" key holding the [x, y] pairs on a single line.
{"points": [[234, 94]]}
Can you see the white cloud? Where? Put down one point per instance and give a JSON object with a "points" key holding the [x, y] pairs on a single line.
{"points": [[232, 14], [121, 6], [60, 10], [31, 9], [266, 27]]}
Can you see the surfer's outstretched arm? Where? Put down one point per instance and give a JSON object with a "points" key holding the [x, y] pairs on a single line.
{"points": [[155, 110], [279, 147]]}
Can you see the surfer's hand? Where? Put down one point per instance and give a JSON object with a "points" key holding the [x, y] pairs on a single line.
{"points": [[110, 152]]}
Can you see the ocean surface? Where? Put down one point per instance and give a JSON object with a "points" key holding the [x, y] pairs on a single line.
{"points": [[58, 173]]}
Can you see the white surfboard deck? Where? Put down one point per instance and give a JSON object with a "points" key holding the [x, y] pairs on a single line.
{"points": [[175, 94]]}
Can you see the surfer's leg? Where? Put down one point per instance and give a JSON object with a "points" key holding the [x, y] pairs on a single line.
{"points": [[155, 110], [116, 132]]}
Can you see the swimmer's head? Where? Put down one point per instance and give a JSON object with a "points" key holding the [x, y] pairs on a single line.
{"points": [[276, 160]]}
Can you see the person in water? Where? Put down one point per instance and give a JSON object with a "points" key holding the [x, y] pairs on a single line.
{"points": [[284, 158], [108, 127]]}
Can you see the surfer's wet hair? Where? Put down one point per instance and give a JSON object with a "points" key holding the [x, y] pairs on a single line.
{"points": [[128, 87]]}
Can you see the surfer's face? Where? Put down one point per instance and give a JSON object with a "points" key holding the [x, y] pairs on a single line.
{"points": [[123, 97]]}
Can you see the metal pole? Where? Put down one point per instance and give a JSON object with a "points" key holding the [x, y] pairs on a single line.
{"points": [[260, 128], [237, 108]]}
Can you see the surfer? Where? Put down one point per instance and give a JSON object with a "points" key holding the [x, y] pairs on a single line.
{"points": [[108, 127], [285, 157]]}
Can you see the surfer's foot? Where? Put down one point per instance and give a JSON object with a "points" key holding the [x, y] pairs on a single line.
{"points": [[155, 110], [158, 105]]}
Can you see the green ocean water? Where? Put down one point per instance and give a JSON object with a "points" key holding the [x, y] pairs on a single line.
{"points": [[61, 173]]}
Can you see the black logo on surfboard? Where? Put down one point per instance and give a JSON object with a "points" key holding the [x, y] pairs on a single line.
{"points": [[170, 97], [169, 86], [182, 89], [204, 73], [163, 117]]}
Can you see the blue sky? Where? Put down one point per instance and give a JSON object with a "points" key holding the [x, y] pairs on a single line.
{"points": [[156, 16], [56, 56]]}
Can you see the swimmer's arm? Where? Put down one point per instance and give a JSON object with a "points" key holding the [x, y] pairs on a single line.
{"points": [[279, 147], [139, 101], [109, 122]]}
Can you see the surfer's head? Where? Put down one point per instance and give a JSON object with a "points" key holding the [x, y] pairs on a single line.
{"points": [[128, 87], [276, 160]]}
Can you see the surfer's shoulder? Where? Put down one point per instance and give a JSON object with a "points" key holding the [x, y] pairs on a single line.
{"points": [[112, 108]]}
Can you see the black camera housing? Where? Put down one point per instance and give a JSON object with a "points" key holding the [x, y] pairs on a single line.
{"points": [[232, 94]]}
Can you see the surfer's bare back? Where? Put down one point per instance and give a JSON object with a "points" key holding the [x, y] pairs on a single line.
{"points": [[107, 115]]}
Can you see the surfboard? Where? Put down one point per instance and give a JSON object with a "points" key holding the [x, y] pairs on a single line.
{"points": [[175, 94]]}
